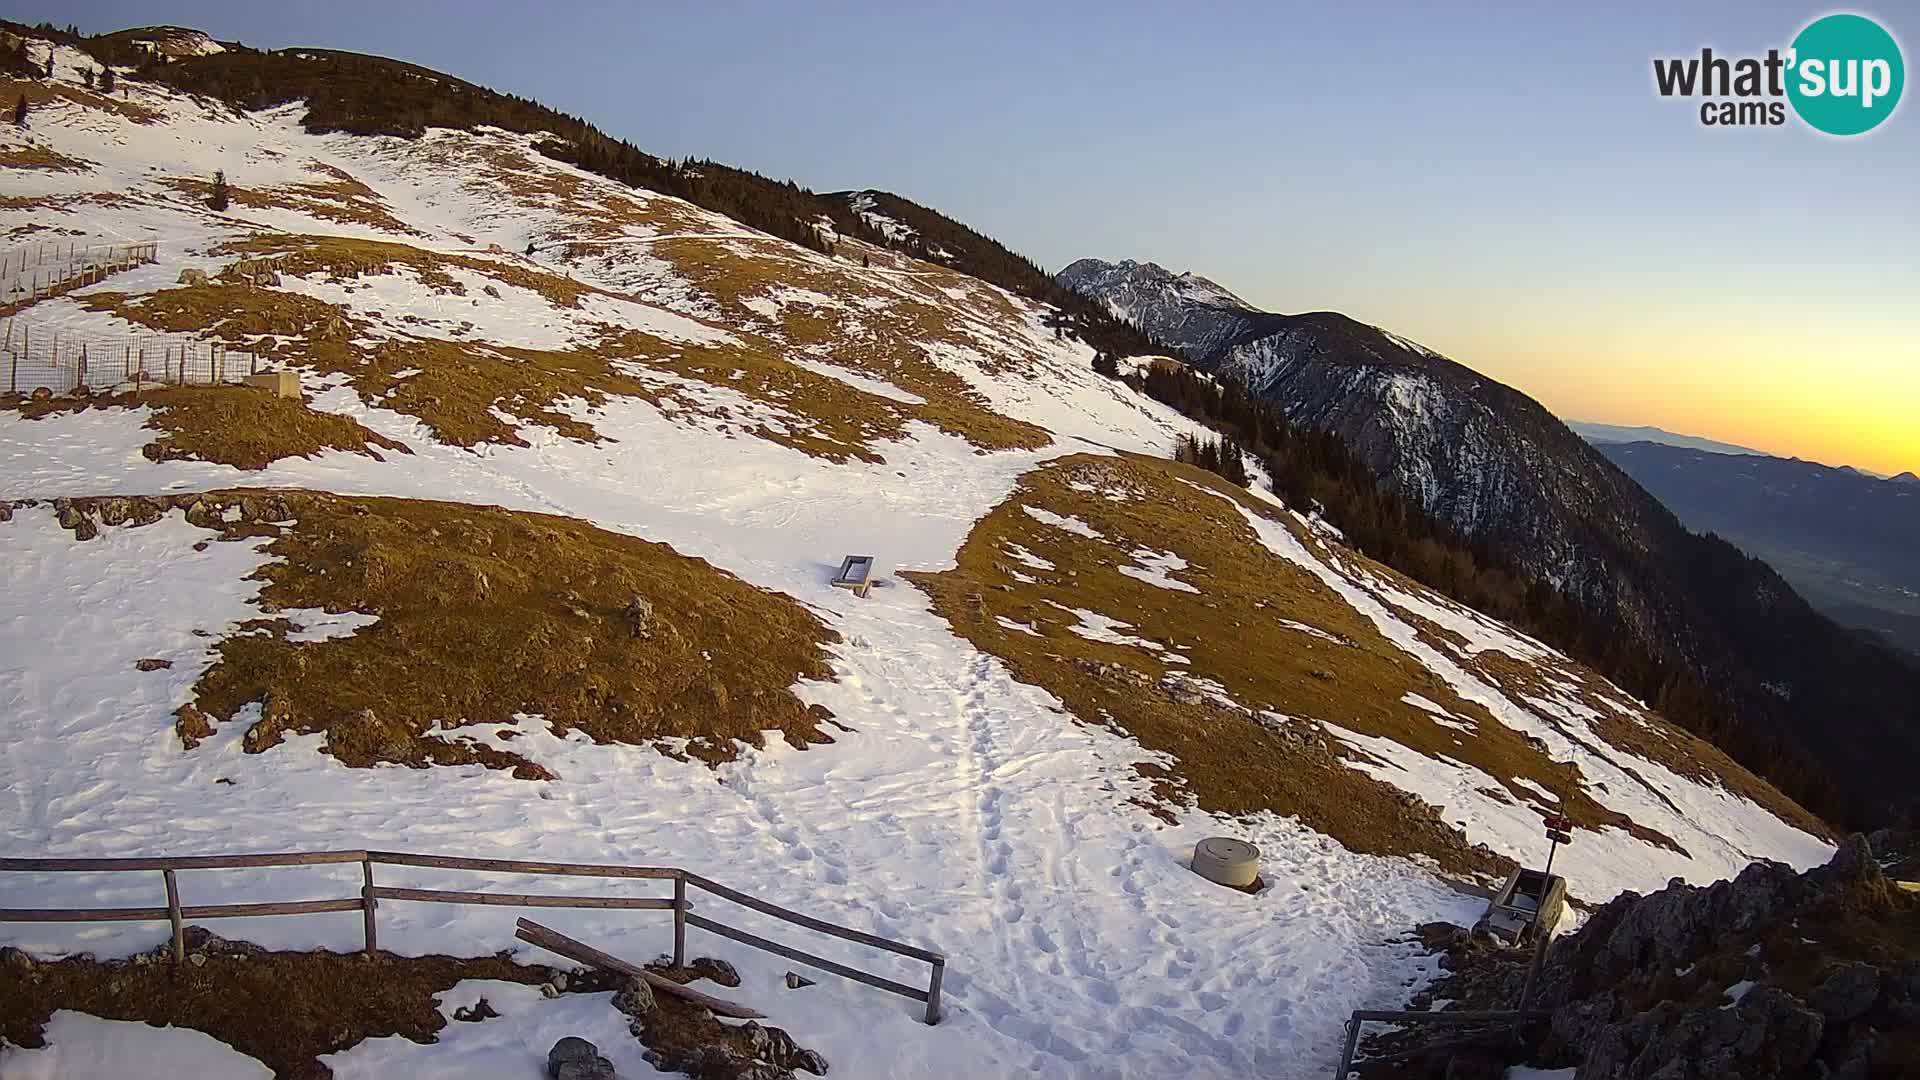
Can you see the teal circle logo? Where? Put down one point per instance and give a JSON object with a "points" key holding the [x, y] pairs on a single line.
{"points": [[1845, 75]]}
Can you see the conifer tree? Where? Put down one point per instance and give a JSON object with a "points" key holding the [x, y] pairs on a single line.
{"points": [[106, 80], [20, 111], [218, 200], [86, 76]]}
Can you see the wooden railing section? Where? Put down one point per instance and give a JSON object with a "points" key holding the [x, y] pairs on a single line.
{"points": [[371, 894]]}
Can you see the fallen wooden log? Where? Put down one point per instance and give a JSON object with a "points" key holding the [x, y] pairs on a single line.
{"points": [[553, 941]]}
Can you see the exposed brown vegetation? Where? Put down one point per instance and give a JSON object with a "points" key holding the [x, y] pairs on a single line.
{"points": [[41, 92], [40, 157], [288, 1009], [885, 337], [459, 388], [242, 426], [1231, 632], [340, 198], [550, 602], [284, 1008]]}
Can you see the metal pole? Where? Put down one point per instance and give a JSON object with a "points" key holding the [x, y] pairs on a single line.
{"points": [[173, 916]]}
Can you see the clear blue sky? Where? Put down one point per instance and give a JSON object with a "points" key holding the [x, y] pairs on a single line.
{"points": [[1498, 181]]}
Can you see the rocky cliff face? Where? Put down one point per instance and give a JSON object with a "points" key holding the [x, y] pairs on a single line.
{"points": [[1483, 457], [1198, 315]]}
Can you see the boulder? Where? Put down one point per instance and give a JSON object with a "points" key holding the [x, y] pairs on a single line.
{"points": [[575, 1058], [635, 998], [192, 276]]}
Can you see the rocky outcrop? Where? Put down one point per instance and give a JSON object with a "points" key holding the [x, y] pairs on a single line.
{"points": [[577, 1059], [1771, 976]]}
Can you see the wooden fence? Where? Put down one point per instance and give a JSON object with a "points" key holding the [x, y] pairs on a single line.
{"points": [[368, 902]]}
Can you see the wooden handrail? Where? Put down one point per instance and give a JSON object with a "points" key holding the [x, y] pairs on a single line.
{"points": [[811, 923], [445, 896], [371, 895], [187, 862], [804, 957], [516, 866]]}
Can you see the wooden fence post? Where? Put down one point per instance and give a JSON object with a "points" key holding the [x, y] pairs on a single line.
{"points": [[680, 920], [933, 991], [367, 904], [173, 916]]}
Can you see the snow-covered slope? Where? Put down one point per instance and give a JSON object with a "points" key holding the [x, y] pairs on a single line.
{"points": [[666, 373]]}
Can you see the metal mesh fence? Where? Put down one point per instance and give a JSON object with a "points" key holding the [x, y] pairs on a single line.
{"points": [[32, 360], [39, 270]]}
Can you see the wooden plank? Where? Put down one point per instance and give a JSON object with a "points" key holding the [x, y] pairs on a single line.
{"points": [[173, 916], [812, 923], [448, 896], [804, 957], [515, 866], [126, 914], [1460, 1016], [933, 992], [367, 906], [680, 921], [188, 862], [287, 907], [532, 932]]}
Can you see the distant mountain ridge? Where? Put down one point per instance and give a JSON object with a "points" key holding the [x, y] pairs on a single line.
{"points": [[1843, 537], [1604, 434], [1508, 474]]}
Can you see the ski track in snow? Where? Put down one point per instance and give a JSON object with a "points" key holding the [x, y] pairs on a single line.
{"points": [[964, 811]]}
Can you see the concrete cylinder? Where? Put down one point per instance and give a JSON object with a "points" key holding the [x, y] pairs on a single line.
{"points": [[1230, 862]]}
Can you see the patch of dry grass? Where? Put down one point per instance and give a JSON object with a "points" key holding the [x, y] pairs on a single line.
{"points": [[1233, 633], [340, 198], [242, 426], [40, 93], [342, 258], [870, 331], [286, 1009], [40, 157], [455, 388], [459, 388], [486, 614]]}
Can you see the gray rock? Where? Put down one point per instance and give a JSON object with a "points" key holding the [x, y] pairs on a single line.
{"points": [[1847, 993], [774, 1045], [577, 1059], [635, 998], [191, 276], [719, 971], [639, 615], [73, 518]]}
